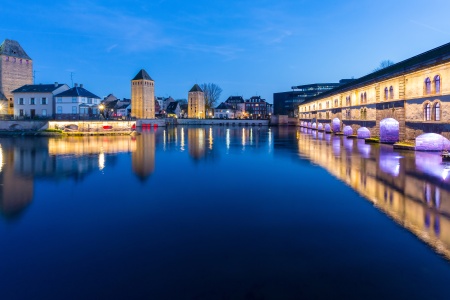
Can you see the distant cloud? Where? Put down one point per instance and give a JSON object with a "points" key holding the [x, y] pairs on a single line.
{"points": [[110, 48], [429, 27]]}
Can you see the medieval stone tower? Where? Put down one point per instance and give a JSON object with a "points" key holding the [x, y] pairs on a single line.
{"points": [[16, 70], [143, 96], [196, 103]]}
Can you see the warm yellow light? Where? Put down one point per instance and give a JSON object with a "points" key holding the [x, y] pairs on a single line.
{"points": [[101, 106]]}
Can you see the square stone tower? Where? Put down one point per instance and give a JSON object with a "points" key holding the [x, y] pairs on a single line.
{"points": [[16, 70], [142, 96], [196, 103]]}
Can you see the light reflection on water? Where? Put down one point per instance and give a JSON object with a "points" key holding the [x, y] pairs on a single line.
{"points": [[196, 206], [411, 187]]}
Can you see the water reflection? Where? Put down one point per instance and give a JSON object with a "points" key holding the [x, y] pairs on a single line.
{"points": [[143, 158], [412, 188]]}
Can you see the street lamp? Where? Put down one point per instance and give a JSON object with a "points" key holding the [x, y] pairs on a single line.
{"points": [[101, 107]]}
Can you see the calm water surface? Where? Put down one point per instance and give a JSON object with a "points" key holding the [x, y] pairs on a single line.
{"points": [[222, 213]]}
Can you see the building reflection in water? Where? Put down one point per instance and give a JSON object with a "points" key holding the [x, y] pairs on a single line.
{"points": [[24, 160], [196, 142], [143, 158], [412, 188], [16, 192]]}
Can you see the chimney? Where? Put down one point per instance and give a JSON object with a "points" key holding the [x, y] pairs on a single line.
{"points": [[81, 85], [56, 84], [76, 84]]}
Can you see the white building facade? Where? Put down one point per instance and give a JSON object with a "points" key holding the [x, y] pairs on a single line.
{"points": [[76, 103], [36, 100]]}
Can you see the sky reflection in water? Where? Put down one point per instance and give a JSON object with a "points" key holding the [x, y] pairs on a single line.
{"points": [[217, 213]]}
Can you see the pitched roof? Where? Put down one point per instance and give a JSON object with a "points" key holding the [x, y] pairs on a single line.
{"points": [[172, 106], [38, 88], [2, 97], [428, 58], [196, 88], [13, 48], [224, 105], [235, 99], [142, 74], [77, 92]]}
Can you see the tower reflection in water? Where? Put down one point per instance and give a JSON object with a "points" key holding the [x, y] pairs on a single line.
{"points": [[143, 158], [27, 159], [413, 188]]}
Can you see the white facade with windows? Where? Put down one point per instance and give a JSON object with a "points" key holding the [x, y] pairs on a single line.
{"points": [[37, 100], [76, 102]]}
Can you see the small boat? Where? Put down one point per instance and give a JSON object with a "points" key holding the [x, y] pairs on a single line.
{"points": [[445, 155]]}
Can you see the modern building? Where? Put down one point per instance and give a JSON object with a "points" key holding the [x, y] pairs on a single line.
{"points": [[76, 103], [400, 102], [16, 70], [37, 100], [286, 103], [257, 108], [196, 103], [142, 96], [224, 111]]}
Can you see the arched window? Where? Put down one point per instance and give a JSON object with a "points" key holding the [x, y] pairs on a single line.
{"points": [[362, 98], [427, 112], [386, 93], [328, 115], [362, 114], [335, 102], [365, 113], [427, 86], [437, 84], [365, 97], [437, 111], [391, 92]]}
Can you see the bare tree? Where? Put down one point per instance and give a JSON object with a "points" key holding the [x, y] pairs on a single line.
{"points": [[384, 64], [212, 94]]}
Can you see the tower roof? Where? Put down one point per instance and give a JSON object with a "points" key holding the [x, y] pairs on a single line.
{"points": [[142, 74], [13, 48], [196, 88]]}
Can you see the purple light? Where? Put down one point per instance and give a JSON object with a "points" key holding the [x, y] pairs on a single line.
{"points": [[348, 130], [363, 133], [431, 164], [314, 125], [309, 124], [389, 131], [348, 144], [363, 148], [390, 163], [320, 126], [336, 125], [432, 142], [336, 144], [327, 128]]}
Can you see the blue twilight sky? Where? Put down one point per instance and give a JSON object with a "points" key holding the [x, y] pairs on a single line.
{"points": [[246, 47]]}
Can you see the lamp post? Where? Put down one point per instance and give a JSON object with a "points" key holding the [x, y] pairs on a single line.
{"points": [[101, 107]]}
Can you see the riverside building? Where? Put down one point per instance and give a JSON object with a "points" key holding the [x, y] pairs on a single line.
{"points": [[142, 96], [400, 102], [16, 70], [196, 103]]}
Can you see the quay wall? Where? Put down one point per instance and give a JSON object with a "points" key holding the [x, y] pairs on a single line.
{"points": [[223, 122]]}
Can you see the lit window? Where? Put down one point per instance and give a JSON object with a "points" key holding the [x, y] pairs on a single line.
{"points": [[427, 86], [427, 112], [437, 112], [437, 84]]}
